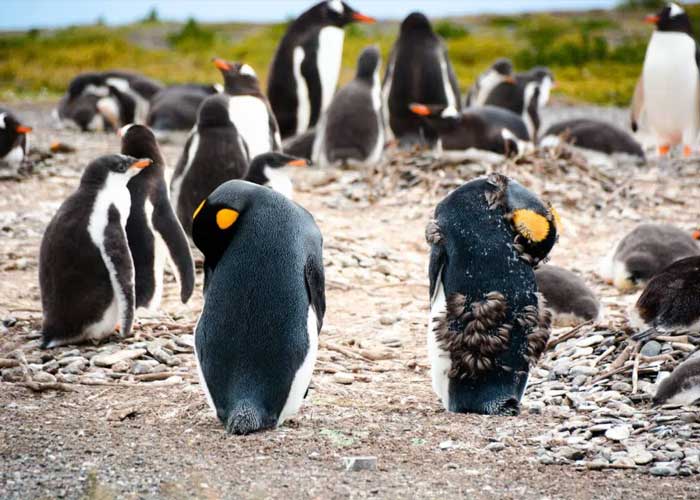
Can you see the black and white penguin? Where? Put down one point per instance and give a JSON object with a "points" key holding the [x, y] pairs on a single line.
{"points": [[152, 229], [670, 79], [14, 140], [264, 301], [418, 71], [304, 72], [268, 169], [86, 272], [643, 252], [486, 325], [249, 109], [500, 72], [670, 301], [175, 107], [567, 296], [352, 129], [592, 134], [481, 127], [682, 386]]}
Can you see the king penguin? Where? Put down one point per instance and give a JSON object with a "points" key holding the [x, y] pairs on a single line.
{"points": [[14, 140], [487, 326], [671, 83], [305, 68], [419, 70], [264, 301], [352, 130], [152, 229], [86, 273]]}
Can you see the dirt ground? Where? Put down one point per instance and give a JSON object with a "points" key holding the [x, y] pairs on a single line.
{"points": [[124, 437]]}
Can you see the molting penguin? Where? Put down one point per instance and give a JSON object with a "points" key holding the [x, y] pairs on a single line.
{"points": [[352, 130], [682, 386], [175, 107], [671, 85], [304, 72], [643, 252], [566, 295], [592, 134], [14, 140], [486, 323], [484, 127], [152, 228], [419, 70], [269, 170], [86, 272], [264, 301], [249, 109], [500, 72]]}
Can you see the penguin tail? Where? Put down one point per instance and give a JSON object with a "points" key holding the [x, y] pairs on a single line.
{"points": [[246, 418]]}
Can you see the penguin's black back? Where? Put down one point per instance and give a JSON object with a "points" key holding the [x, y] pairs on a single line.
{"points": [[9, 138], [175, 107], [598, 136]]}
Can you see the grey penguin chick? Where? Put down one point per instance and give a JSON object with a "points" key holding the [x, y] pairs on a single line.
{"points": [[682, 386], [643, 252], [567, 295]]}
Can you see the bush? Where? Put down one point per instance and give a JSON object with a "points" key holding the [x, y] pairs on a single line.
{"points": [[192, 37], [447, 29]]}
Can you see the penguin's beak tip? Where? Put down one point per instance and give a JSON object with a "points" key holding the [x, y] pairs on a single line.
{"points": [[221, 64], [142, 163], [298, 163], [696, 235], [651, 19], [420, 109], [23, 129], [357, 16]]}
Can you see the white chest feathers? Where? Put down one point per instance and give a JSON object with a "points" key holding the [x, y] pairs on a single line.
{"points": [[440, 362], [279, 181], [330, 54], [14, 157], [250, 116], [487, 83], [447, 85]]}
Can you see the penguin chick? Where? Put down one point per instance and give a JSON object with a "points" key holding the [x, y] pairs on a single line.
{"points": [[682, 387], [670, 301], [268, 170], [486, 326], [643, 252], [152, 228], [352, 129], [592, 134], [14, 140], [175, 107], [500, 72], [264, 301], [301, 145], [567, 296], [86, 272]]}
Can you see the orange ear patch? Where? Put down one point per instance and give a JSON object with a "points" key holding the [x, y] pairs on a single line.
{"points": [[531, 225], [557, 219], [199, 208], [225, 218]]}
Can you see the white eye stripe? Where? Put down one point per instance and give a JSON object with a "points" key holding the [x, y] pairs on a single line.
{"points": [[247, 70], [336, 5], [676, 10], [2, 120]]}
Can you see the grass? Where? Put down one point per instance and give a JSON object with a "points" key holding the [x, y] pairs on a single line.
{"points": [[596, 56]]}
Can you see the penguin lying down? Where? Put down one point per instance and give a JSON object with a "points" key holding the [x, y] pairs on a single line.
{"points": [[593, 135], [264, 301], [567, 296], [486, 325], [682, 386]]}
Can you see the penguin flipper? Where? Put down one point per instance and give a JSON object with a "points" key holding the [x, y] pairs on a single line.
{"points": [[315, 282], [169, 227], [434, 237], [309, 70], [119, 261]]}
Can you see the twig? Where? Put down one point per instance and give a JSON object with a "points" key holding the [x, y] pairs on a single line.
{"points": [[635, 373], [568, 335], [600, 358], [50, 386]]}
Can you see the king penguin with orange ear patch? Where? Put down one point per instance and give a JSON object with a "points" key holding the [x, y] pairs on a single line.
{"points": [[264, 301], [487, 326]]}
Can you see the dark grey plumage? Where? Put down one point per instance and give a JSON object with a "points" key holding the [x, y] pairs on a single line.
{"points": [[596, 135], [682, 386], [566, 294]]}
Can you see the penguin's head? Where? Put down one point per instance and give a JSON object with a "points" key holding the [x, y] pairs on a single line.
{"points": [[414, 23], [213, 112], [140, 142], [337, 13], [10, 127], [265, 168], [239, 78], [671, 18], [503, 67], [113, 170], [368, 63]]}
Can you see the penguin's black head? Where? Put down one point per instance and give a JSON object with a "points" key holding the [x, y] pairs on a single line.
{"points": [[416, 22], [671, 18], [119, 167], [213, 112], [259, 169], [138, 141], [11, 128], [239, 78], [368, 62], [336, 13], [503, 67]]}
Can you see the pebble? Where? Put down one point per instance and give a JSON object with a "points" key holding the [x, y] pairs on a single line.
{"points": [[651, 348], [590, 340], [664, 469], [571, 453], [44, 378], [589, 371], [146, 366], [343, 378], [113, 358], [618, 433], [534, 407], [496, 446], [360, 463], [76, 367]]}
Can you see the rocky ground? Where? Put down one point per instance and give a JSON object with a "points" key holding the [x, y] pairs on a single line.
{"points": [[127, 419]]}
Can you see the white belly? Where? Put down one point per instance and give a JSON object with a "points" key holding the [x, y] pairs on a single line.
{"points": [[449, 91], [303, 104], [440, 362], [330, 54], [159, 256], [14, 157], [250, 116], [177, 181]]}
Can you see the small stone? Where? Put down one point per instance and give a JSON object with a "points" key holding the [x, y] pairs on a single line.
{"points": [[497, 446], [360, 463], [141, 367], [589, 371], [67, 360], [67, 378], [664, 469], [651, 348], [618, 433], [448, 445], [343, 378], [570, 453], [44, 378], [579, 380], [641, 457], [624, 463], [621, 387], [185, 340], [160, 355], [121, 367], [388, 320], [546, 459], [75, 368], [113, 358], [590, 340], [534, 407]]}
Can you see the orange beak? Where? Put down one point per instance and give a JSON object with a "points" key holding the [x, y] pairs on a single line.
{"points": [[420, 109], [362, 18], [297, 163], [221, 64], [21, 129], [141, 163], [696, 235], [651, 19]]}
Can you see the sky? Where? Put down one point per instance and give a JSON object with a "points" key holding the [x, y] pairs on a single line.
{"points": [[25, 14]]}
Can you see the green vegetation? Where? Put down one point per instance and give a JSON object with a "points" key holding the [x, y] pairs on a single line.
{"points": [[596, 56]]}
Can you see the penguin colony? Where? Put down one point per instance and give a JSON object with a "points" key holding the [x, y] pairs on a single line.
{"points": [[256, 340]]}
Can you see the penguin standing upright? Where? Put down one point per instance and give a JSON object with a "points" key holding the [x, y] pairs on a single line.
{"points": [[264, 301], [249, 109], [304, 71], [500, 72], [14, 140], [152, 228], [670, 80], [352, 130], [86, 272], [486, 325], [419, 70]]}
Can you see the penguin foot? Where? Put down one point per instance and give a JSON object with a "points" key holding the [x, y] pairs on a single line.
{"points": [[664, 149]]}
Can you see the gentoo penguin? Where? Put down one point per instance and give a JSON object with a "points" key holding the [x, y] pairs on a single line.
{"points": [[305, 69], [14, 140], [214, 153], [482, 127], [500, 72], [670, 301], [249, 109], [86, 272], [175, 107], [486, 325], [682, 386], [419, 70], [670, 81], [152, 229], [268, 170], [352, 129], [302, 145], [264, 301], [592, 134], [566, 295], [643, 252]]}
